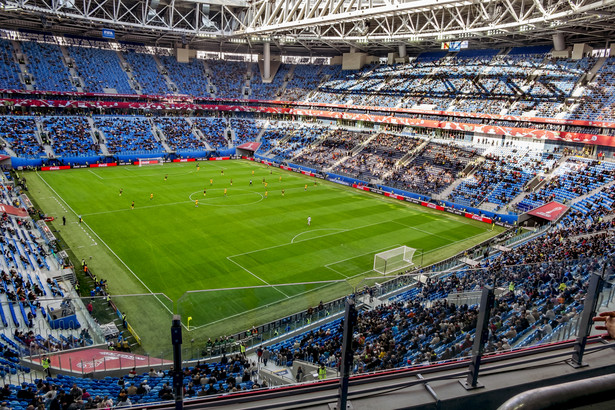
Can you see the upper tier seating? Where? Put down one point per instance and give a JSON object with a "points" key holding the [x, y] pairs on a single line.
{"points": [[46, 64], [190, 78], [9, 70], [145, 71], [100, 69], [228, 77], [262, 91]]}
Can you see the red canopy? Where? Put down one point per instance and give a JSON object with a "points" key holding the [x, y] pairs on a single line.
{"points": [[551, 211]]}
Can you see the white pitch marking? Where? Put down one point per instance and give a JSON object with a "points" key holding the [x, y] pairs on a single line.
{"points": [[262, 280], [95, 174]]}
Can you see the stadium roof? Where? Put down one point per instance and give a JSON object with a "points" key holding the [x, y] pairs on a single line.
{"points": [[319, 27]]}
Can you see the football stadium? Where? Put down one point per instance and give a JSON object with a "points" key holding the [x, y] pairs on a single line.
{"points": [[306, 204]]}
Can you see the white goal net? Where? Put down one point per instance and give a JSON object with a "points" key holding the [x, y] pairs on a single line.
{"points": [[150, 161], [393, 260]]}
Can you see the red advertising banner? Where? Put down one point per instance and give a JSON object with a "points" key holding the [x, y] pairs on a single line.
{"points": [[248, 158], [55, 168], [551, 211], [432, 206], [219, 158], [362, 187], [394, 196], [184, 160], [105, 165], [147, 162], [478, 218]]}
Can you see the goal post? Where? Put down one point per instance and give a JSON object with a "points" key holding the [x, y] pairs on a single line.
{"points": [[393, 259], [149, 161]]}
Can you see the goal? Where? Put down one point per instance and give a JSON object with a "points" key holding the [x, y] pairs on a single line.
{"points": [[393, 260], [149, 161]]}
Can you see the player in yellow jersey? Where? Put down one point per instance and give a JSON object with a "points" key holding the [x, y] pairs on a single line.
{"points": [[224, 191], [211, 181], [266, 192], [280, 179], [151, 196], [196, 203], [305, 187]]}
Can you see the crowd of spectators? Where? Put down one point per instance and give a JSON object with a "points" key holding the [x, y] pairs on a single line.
{"points": [[128, 135], [572, 179], [432, 170], [268, 91], [70, 136], [146, 73], [46, 65], [190, 78], [214, 130], [20, 133], [502, 176], [379, 156], [229, 77], [9, 70], [336, 146], [179, 134], [245, 129], [100, 70]]}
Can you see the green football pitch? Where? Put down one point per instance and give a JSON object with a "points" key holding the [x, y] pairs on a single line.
{"points": [[245, 255]]}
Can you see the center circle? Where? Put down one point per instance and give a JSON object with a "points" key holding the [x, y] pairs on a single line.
{"points": [[217, 197]]}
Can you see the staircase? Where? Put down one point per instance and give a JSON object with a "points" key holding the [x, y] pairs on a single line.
{"points": [[159, 135], [134, 84], [199, 134], [170, 84], [73, 73], [22, 61], [353, 152], [592, 192]]}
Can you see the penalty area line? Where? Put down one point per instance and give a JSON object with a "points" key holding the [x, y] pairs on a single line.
{"points": [[262, 280], [95, 174], [107, 246]]}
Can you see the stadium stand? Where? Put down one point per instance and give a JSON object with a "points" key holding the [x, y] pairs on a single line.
{"points": [[20, 134], [9, 77], [128, 135], [70, 136], [100, 70], [179, 134], [146, 72], [228, 77], [214, 130], [45, 63], [190, 78]]}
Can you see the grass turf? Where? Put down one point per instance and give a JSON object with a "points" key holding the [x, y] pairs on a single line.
{"points": [[167, 245]]}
